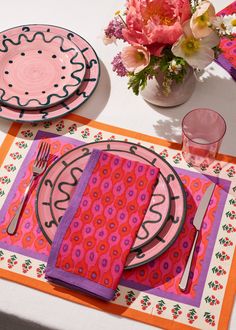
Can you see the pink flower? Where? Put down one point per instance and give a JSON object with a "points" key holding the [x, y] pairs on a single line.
{"points": [[155, 23], [198, 53], [118, 66], [135, 58], [201, 19], [114, 29]]}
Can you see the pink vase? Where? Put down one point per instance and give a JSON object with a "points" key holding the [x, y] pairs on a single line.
{"points": [[180, 92]]}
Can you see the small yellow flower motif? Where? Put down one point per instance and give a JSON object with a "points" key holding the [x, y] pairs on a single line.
{"points": [[190, 46], [230, 23], [221, 26], [203, 20], [174, 67], [117, 13], [233, 22]]}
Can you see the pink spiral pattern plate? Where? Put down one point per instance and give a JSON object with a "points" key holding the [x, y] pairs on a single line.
{"points": [[39, 69], [165, 215], [74, 101]]}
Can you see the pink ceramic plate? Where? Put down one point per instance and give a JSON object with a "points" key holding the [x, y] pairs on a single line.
{"points": [[39, 69], [71, 166], [58, 184], [81, 95]]}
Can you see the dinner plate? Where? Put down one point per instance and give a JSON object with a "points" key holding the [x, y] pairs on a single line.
{"points": [[39, 69], [64, 175], [81, 95], [58, 184]]}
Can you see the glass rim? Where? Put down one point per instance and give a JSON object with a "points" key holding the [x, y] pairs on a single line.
{"points": [[211, 110]]}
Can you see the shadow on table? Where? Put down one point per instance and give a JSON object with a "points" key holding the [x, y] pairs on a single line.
{"points": [[211, 92], [11, 322], [93, 106], [97, 102]]}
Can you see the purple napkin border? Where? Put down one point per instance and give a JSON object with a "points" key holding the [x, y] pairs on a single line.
{"points": [[221, 60], [59, 276]]}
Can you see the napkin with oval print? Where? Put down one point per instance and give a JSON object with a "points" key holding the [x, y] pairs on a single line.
{"points": [[228, 46], [99, 227]]}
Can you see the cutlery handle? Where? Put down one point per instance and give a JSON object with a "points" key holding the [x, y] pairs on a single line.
{"points": [[184, 279], [11, 229]]}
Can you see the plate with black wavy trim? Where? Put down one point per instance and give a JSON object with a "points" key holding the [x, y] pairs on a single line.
{"points": [[39, 69], [162, 222], [75, 100]]}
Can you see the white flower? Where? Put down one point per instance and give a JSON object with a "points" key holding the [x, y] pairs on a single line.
{"points": [[230, 22], [108, 41], [220, 25], [201, 19], [198, 53], [174, 67]]}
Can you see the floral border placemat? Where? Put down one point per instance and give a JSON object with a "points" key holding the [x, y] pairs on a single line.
{"points": [[213, 306]]}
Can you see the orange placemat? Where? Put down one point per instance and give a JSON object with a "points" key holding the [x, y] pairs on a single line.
{"points": [[148, 293]]}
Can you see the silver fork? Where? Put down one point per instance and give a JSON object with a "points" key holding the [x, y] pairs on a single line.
{"points": [[39, 166]]}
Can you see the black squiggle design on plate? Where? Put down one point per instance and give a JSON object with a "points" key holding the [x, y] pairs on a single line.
{"points": [[65, 105], [108, 145], [91, 63], [48, 182], [21, 113], [140, 254], [49, 224], [36, 117], [25, 29], [160, 239], [60, 187], [81, 93], [84, 50], [44, 114], [174, 220], [62, 49], [64, 163], [89, 79], [70, 36], [151, 209]]}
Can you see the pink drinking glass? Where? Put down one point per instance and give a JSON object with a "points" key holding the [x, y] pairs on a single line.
{"points": [[202, 133]]}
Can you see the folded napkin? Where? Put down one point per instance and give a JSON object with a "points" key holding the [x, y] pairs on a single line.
{"points": [[99, 227], [228, 58]]}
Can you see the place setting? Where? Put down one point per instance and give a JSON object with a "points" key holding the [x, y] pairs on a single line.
{"points": [[107, 217], [156, 256]]}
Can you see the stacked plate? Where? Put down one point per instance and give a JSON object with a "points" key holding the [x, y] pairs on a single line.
{"points": [[163, 220], [45, 72]]}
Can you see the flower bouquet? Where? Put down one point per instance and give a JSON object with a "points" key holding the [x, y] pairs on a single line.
{"points": [[166, 37]]}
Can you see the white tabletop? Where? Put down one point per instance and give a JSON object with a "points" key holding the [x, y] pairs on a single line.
{"points": [[114, 104]]}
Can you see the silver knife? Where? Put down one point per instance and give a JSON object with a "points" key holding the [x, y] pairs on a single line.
{"points": [[197, 222]]}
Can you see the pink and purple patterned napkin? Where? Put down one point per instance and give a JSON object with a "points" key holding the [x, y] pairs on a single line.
{"points": [[228, 58], [98, 229]]}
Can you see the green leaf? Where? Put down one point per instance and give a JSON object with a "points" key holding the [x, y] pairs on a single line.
{"points": [[218, 255], [214, 269], [138, 80]]}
